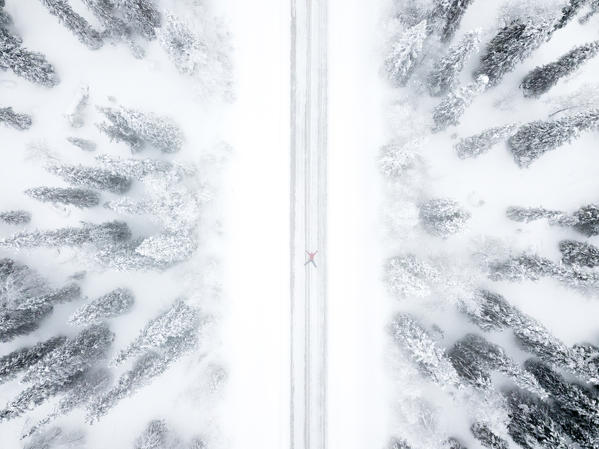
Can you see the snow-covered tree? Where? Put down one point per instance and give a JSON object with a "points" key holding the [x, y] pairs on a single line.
{"points": [[450, 12], [407, 276], [483, 433], [104, 234], [534, 139], [405, 54], [478, 144], [74, 22], [21, 359], [579, 253], [156, 435], [397, 443], [141, 15], [443, 217], [107, 14], [449, 111], [110, 305], [491, 311], [16, 120], [446, 71], [26, 299], [543, 78], [423, 350], [512, 44], [528, 214], [60, 369], [24, 63], [532, 422], [91, 177], [15, 217], [475, 359], [138, 129], [576, 407], [163, 330], [83, 390], [74, 196]]}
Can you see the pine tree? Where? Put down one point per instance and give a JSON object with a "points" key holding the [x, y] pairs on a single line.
{"points": [[110, 305], [446, 71], [164, 330], [576, 407], [491, 311], [475, 358], [531, 423], [579, 253], [15, 119], [105, 11], [528, 214], [104, 234], [405, 54], [21, 359], [483, 433], [29, 65], [61, 369], [512, 44], [422, 349], [168, 247], [452, 107], [155, 436], [139, 129], [26, 299], [451, 13], [407, 276], [443, 217], [541, 79], [74, 22], [536, 138], [82, 391], [141, 15], [15, 217], [478, 144], [74, 196], [91, 177], [587, 220]]}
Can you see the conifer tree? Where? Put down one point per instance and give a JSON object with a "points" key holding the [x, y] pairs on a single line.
{"points": [[445, 73], [512, 44], [454, 104], [405, 54], [579, 253], [541, 79], [15, 119], [24, 63], [74, 196], [139, 129], [110, 305], [15, 217], [478, 144], [443, 217], [74, 22], [451, 13], [534, 139]]}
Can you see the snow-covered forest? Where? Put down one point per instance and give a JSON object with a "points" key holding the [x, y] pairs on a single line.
{"points": [[490, 194], [160, 159], [110, 284]]}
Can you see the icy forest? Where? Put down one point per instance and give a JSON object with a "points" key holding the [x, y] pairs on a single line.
{"points": [[492, 219], [109, 272]]}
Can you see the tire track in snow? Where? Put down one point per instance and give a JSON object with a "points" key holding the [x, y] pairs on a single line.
{"points": [[308, 223]]}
